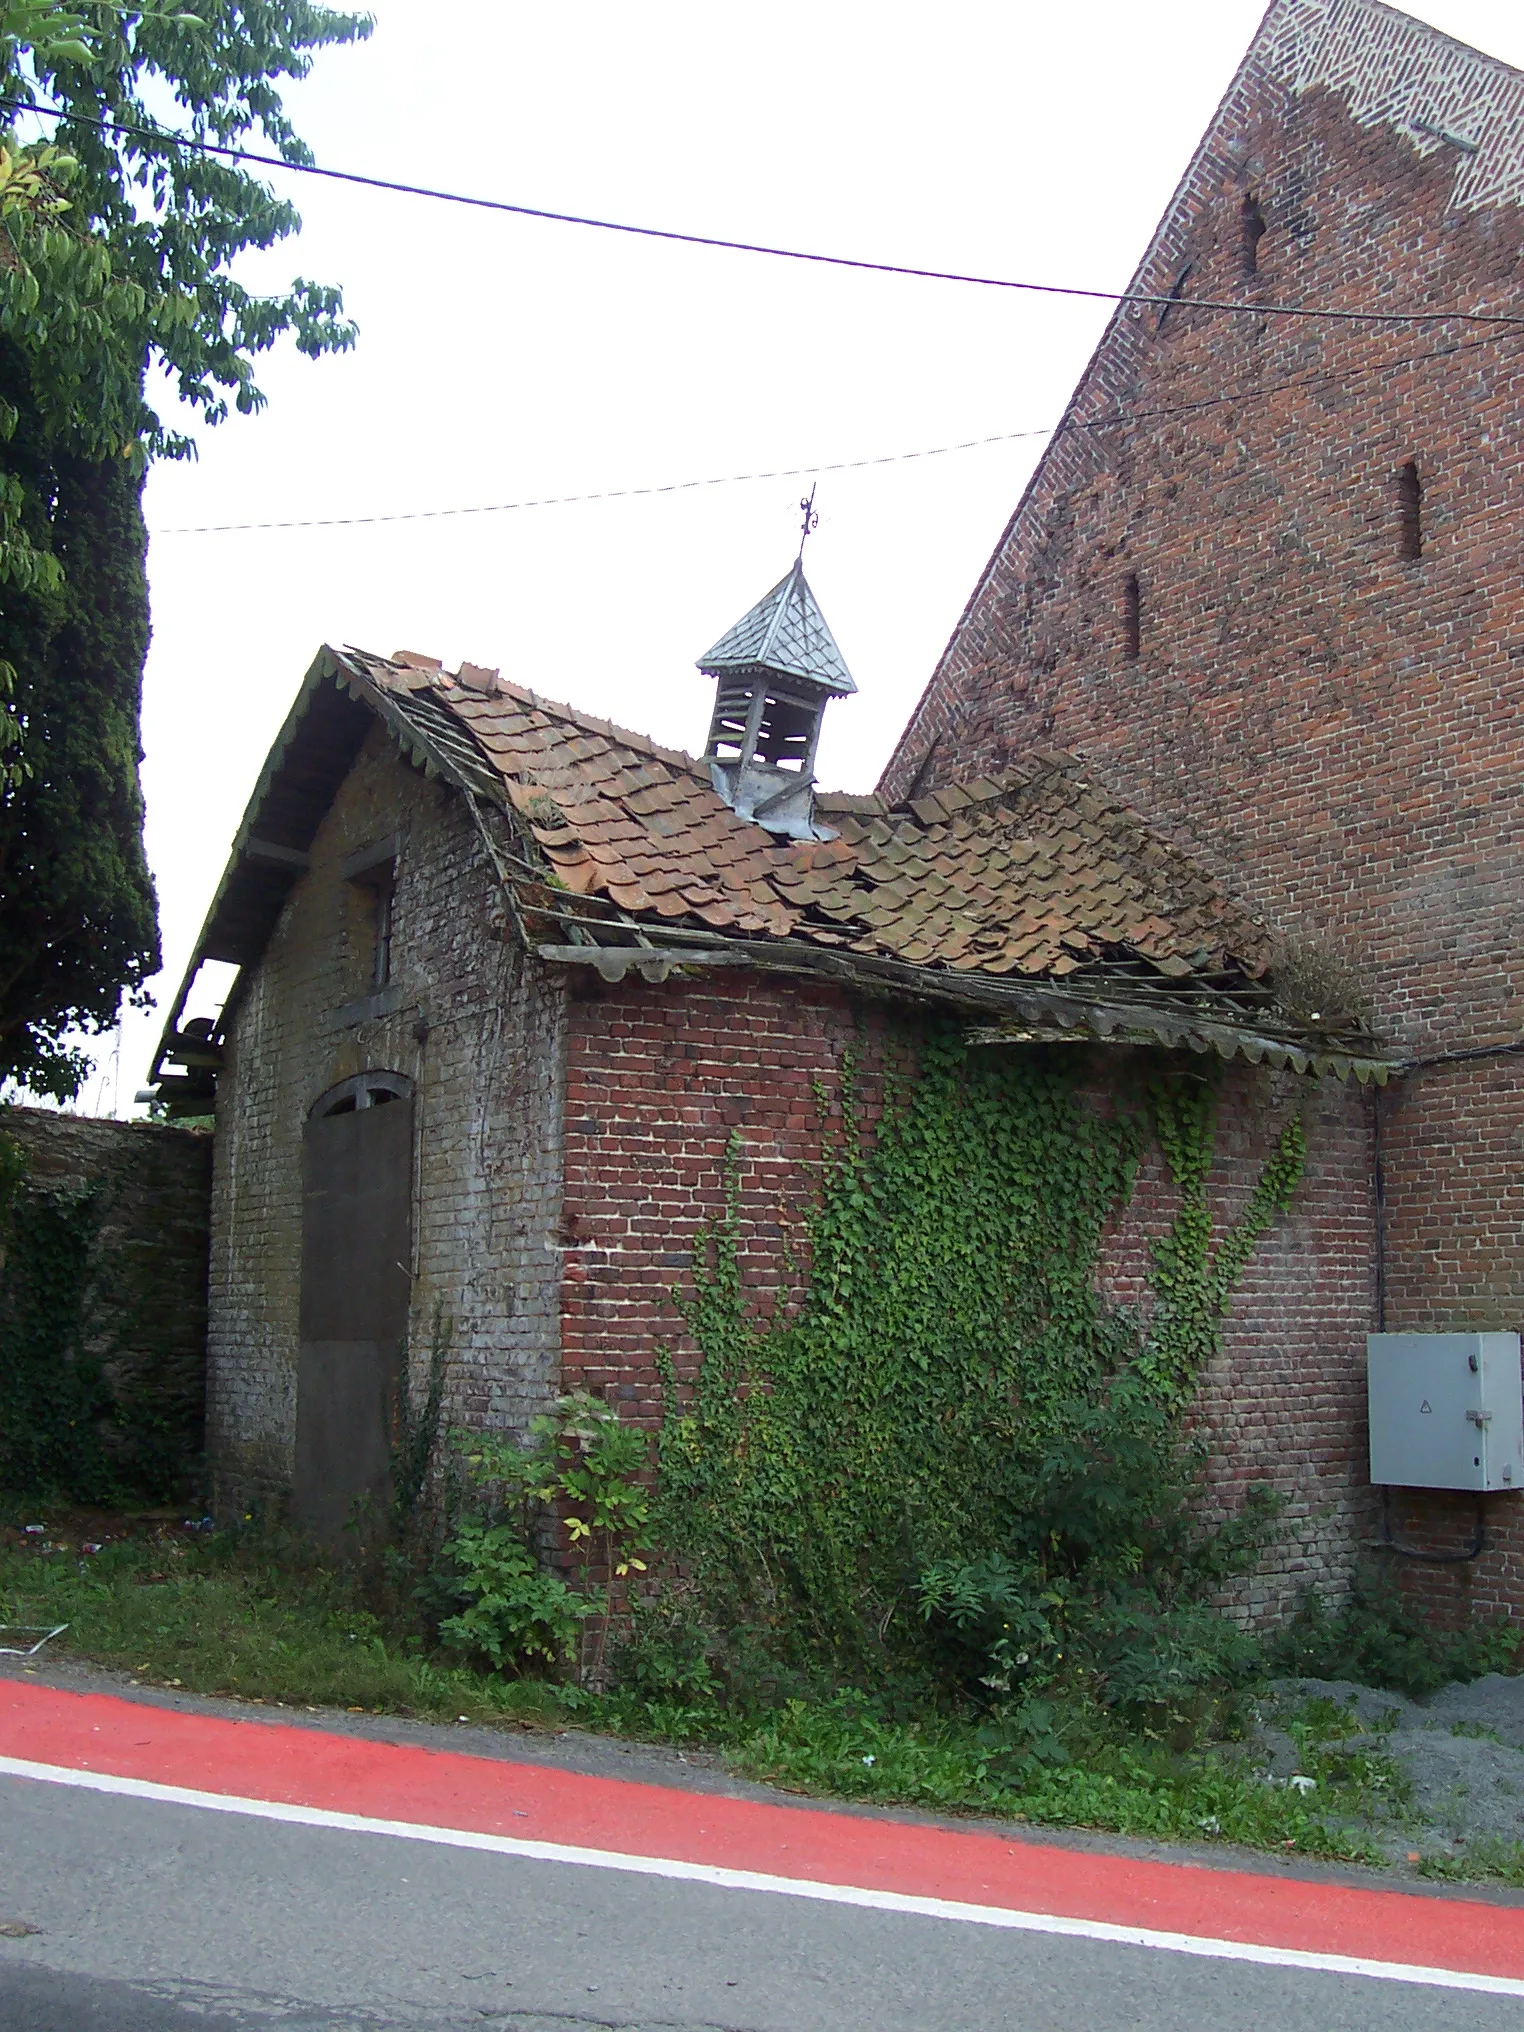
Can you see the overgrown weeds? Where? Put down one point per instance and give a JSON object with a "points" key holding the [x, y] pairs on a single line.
{"points": [[1378, 1638], [1487, 1859], [255, 1616], [578, 1473], [258, 1617], [1344, 1756]]}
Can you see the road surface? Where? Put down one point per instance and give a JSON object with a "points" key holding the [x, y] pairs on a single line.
{"points": [[195, 1873]]}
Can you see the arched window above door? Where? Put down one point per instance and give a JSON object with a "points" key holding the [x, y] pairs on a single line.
{"points": [[364, 1090]]}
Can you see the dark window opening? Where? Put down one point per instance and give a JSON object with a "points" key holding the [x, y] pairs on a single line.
{"points": [[364, 1090], [381, 947], [373, 891], [1409, 513], [1132, 617], [1253, 230]]}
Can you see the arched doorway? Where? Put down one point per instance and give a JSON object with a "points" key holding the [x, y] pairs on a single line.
{"points": [[357, 1238]]}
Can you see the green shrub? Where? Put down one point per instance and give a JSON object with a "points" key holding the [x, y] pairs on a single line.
{"points": [[578, 1469], [666, 1657], [1108, 1580], [516, 1610], [1380, 1639]]}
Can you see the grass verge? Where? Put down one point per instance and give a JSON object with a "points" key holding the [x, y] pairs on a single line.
{"points": [[174, 1609]]}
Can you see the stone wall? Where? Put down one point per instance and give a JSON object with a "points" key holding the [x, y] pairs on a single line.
{"points": [[145, 1303], [478, 1031], [1332, 725]]}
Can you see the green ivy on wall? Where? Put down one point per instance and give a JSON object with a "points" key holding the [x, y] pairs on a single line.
{"points": [[950, 1325], [1192, 1281], [53, 1397]]}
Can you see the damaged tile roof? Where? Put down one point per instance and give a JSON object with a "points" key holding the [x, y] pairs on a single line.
{"points": [[1038, 902], [1039, 874]]}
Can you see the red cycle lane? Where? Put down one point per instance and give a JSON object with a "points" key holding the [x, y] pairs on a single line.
{"points": [[323, 1778]]}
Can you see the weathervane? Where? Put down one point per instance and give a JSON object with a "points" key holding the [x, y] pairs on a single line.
{"points": [[811, 518]]}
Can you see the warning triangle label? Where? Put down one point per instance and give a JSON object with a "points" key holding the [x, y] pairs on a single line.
{"points": [[1426, 1406]]}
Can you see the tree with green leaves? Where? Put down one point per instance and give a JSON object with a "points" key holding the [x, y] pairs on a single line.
{"points": [[119, 235]]}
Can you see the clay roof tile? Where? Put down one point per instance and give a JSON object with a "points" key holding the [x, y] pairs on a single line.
{"points": [[1035, 872]]}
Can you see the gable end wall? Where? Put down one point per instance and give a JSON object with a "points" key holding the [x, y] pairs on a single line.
{"points": [[487, 1115]]}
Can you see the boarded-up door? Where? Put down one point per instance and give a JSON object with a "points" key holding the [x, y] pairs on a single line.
{"points": [[356, 1247]]}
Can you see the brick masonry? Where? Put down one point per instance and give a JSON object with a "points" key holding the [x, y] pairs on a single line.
{"points": [[480, 1033], [666, 1085], [1331, 726], [145, 1309], [571, 1158]]}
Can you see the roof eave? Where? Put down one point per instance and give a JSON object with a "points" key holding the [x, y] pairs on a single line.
{"points": [[1023, 1012], [413, 737], [322, 667]]}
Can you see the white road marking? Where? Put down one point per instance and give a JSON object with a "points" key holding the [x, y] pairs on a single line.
{"points": [[756, 1880]]}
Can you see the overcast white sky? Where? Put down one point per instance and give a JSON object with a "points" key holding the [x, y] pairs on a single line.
{"points": [[504, 359]]}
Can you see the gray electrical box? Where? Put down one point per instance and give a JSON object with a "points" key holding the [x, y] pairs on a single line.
{"points": [[1447, 1410]]}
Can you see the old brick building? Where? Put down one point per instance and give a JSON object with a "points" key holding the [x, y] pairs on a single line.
{"points": [[1267, 582], [514, 982], [518, 990]]}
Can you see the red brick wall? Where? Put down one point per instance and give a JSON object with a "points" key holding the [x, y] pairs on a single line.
{"points": [[1334, 728], [1284, 1404], [663, 1082]]}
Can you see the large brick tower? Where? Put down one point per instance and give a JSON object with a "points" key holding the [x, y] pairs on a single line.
{"points": [[1269, 580]]}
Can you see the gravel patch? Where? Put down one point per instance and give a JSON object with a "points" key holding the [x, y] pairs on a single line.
{"points": [[1462, 1752]]}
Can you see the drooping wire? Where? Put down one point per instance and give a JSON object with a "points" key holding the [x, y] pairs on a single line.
{"points": [[1116, 420], [1168, 301]]}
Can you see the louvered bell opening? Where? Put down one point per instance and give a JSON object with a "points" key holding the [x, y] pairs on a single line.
{"points": [[727, 730], [786, 730], [786, 737]]}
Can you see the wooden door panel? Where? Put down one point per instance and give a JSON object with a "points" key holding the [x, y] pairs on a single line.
{"points": [[355, 1292]]}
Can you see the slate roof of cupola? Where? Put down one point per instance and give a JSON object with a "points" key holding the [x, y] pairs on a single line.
{"points": [[1035, 899], [784, 633]]}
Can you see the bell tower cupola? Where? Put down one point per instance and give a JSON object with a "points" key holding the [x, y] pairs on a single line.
{"points": [[775, 672]]}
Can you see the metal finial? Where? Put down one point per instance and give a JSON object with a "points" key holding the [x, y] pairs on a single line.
{"points": [[811, 518]]}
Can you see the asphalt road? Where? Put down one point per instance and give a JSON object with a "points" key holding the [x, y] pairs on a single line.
{"points": [[156, 1917]]}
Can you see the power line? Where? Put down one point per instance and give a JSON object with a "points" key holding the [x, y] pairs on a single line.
{"points": [[1235, 397], [607, 494], [413, 190]]}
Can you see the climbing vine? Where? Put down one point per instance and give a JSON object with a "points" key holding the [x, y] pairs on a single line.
{"points": [[1192, 1282], [53, 1397], [99, 1370], [951, 1328]]}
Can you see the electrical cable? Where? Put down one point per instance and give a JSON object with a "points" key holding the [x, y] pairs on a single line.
{"points": [[1112, 422], [1168, 301], [1474, 1550], [607, 494]]}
